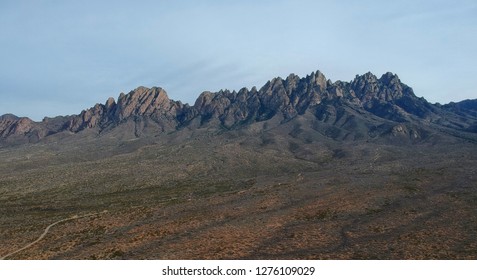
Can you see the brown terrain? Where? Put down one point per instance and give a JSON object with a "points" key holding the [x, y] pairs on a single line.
{"points": [[301, 169]]}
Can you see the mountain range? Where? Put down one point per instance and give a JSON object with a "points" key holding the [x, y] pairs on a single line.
{"points": [[302, 168], [365, 108]]}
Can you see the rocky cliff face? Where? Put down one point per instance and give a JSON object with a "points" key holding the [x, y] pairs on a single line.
{"points": [[339, 104]]}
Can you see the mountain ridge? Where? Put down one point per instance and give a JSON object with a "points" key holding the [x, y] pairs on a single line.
{"points": [[386, 98]]}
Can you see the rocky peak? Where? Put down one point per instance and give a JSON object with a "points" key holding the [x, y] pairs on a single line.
{"points": [[110, 103], [13, 125], [8, 117], [319, 79], [291, 83], [142, 101], [389, 79], [365, 86], [292, 78], [388, 88], [204, 99], [274, 85], [273, 94]]}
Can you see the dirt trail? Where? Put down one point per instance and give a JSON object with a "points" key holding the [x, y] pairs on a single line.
{"points": [[48, 229]]}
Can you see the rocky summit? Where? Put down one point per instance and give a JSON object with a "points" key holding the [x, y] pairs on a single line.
{"points": [[374, 106]]}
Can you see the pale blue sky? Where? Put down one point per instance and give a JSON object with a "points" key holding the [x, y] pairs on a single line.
{"points": [[59, 57]]}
